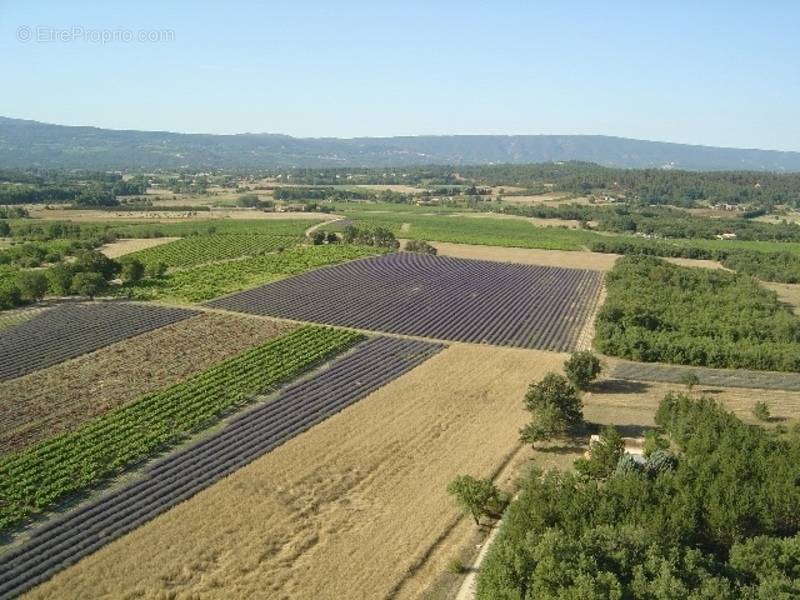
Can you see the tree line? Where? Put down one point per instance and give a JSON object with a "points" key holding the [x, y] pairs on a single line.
{"points": [[660, 312]]}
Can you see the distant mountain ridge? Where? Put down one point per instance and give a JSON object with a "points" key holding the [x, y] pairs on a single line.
{"points": [[25, 143]]}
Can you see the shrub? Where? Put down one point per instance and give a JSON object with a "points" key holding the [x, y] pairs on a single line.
{"points": [[32, 285], [582, 368], [132, 270], [761, 411], [88, 284], [420, 247], [661, 461]]}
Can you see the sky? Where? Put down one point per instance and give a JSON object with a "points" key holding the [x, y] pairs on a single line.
{"points": [[712, 73]]}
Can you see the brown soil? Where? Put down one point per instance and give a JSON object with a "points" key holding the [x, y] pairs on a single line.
{"points": [[58, 399], [124, 246]]}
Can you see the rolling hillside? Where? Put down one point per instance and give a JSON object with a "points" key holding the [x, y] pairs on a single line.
{"points": [[31, 143]]}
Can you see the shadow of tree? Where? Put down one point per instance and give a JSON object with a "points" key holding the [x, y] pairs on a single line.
{"points": [[619, 386]]}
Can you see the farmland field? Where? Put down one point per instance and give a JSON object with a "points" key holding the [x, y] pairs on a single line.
{"points": [[32, 481], [371, 365], [438, 297], [69, 330], [595, 261], [479, 229], [127, 246], [204, 282], [194, 250], [366, 487], [52, 401]]}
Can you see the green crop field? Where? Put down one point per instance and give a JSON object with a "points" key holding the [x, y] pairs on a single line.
{"points": [[210, 281], [289, 227], [35, 479], [487, 231], [198, 249]]}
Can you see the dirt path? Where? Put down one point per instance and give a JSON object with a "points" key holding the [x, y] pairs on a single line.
{"points": [[313, 228]]}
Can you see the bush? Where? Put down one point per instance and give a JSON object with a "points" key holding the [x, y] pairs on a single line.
{"points": [[420, 247], [89, 284], [32, 285], [761, 411], [132, 270], [155, 269], [661, 461], [582, 368]]}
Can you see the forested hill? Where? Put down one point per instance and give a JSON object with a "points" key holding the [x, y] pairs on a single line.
{"points": [[31, 143]]}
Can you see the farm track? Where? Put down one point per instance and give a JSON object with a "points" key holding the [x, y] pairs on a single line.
{"points": [[437, 297], [70, 330], [64, 541]]}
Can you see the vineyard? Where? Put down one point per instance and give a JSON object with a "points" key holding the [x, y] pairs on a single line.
{"points": [[438, 297], [53, 401], [194, 250], [63, 542], [210, 281], [37, 478], [69, 330], [279, 227]]}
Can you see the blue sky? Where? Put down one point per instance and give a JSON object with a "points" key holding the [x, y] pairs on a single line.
{"points": [[716, 73]]}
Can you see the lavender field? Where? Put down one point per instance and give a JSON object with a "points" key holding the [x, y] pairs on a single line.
{"points": [[437, 297]]}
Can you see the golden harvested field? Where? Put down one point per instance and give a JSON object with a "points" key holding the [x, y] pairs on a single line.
{"points": [[59, 398], [549, 258], [349, 509], [789, 293], [122, 247], [696, 262], [548, 199]]}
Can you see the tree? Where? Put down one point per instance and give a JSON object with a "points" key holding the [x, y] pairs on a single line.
{"points": [[604, 455], [547, 423], [420, 247], [475, 496], [556, 391], [97, 262], [761, 411], [32, 285], [88, 283], [132, 270], [155, 269], [332, 237], [582, 368], [5, 229], [248, 201], [60, 277], [318, 238], [10, 296]]}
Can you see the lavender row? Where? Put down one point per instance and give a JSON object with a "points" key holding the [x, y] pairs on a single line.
{"points": [[70, 330], [66, 540]]}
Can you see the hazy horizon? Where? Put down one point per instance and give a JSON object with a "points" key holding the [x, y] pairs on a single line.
{"points": [[708, 75]]}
